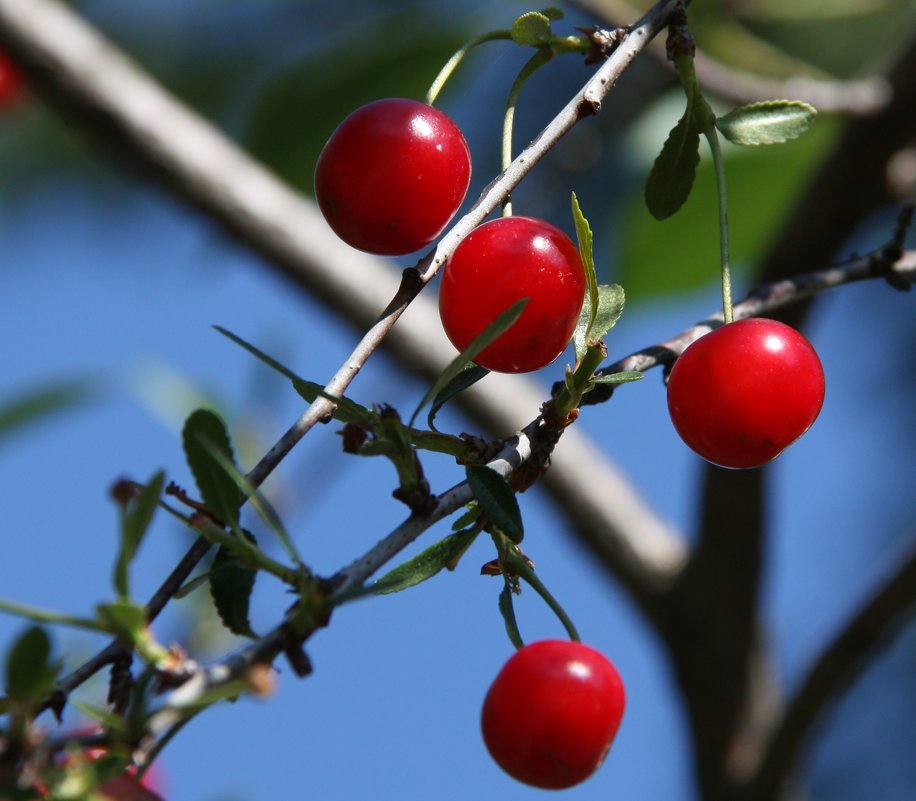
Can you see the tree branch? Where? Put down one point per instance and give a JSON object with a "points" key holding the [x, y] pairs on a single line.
{"points": [[879, 619], [855, 98]]}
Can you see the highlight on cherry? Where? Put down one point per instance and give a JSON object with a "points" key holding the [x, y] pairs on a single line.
{"points": [[552, 713], [743, 393], [392, 176]]}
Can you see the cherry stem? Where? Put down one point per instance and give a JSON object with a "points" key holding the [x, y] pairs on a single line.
{"points": [[517, 564], [451, 65], [538, 60], [705, 120]]}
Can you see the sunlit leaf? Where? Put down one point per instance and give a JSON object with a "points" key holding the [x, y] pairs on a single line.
{"points": [[767, 123], [588, 312], [532, 28]]}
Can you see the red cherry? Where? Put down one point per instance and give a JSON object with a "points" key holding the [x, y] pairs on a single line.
{"points": [[552, 712], [499, 263], [392, 175], [744, 392], [10, 81]]}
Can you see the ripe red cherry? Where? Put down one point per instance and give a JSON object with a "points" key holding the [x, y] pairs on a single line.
{"points": [[551, 714], [392, 175], [742, 393], [499, 263], [10, 81]]}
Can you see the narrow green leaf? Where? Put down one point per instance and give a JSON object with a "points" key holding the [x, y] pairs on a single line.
{"points": [[38, 615], [470, 375], [469, 517], [767, 123], [671, 177], [589, 309], [532, 28], [552, 13], [29, 407], [426, 564], [30, 673], [123, 618], [619, 378], [496, 499], [255, 499], [507, 610], [203, 431], [347, 411], [611, 300], [231, 584], [136, 521], [493, 331]]}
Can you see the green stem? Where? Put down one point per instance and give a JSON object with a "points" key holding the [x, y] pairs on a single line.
{"points": [[713, 138], [538, 60], [705, 120], [451, 65], [517, 564], [580, 381]]}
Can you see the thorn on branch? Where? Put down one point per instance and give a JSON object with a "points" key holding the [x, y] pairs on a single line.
{"points": [[604, 42], [882, 262]]}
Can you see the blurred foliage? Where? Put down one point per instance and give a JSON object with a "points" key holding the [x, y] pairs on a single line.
{"points": [[681, 253], [781, 38], [300, 107]]}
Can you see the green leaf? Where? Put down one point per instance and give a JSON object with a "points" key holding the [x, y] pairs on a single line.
{"points": [[767, 123], [29, 407], [763, 186], [426, 564], [256, 500], [30, 673], [471, 374], [136, 521], [552, 13], [619, 378], [203, 431], [587, 314], [231, 584], [507, 610], [347, 411], [469, 517], [497, 500], [124, 618], [532, 28], [611, 299], [493, 331], [671, 177]]}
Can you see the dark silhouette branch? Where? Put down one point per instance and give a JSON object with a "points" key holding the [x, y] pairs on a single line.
{"points": [[878, 620]]}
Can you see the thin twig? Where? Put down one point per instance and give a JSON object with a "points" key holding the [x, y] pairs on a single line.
{"points": [[855, 98], [764, 300]]}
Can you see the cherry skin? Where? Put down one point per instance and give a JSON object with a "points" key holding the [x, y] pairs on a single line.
{"points": [[392, 175], [498, 264], [552, 712], [742, 393], [11, 86]]}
